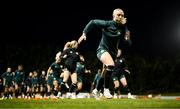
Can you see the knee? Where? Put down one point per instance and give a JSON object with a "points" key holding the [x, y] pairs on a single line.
{"points": [[108, 71], [116, 84], [74, 80], [79, 87]]}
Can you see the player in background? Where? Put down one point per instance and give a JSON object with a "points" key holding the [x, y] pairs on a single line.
{"points": [[95, 84], [18, 79], [70, 57], [8, 85], [35, 84], [54, 72], [43, 83], [118, 76], [28, 83]]}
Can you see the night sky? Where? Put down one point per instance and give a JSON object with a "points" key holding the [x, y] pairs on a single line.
{"points": [[154, 25]]}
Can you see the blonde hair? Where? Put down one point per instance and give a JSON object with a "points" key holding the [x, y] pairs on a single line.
{"points": [[71, 44], [67, 45]]}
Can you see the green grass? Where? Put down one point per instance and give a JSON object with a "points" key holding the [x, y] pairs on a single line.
{"points": [[89, 104]]}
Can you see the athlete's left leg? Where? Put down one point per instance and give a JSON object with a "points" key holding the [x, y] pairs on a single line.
{"points": [[73, 87], [126, 88]]}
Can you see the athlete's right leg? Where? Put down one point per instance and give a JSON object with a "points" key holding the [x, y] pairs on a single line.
{"points": [[73, 86], [107, 60], [125, 86], [107, 77], [64, 82]]}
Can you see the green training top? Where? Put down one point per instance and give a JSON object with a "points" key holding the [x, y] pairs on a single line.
{"points": [[112, 33]]}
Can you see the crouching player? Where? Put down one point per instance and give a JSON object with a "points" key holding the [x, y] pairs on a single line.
{"points": [[119, 76]]}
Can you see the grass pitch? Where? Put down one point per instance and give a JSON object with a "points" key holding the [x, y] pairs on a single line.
{"points": [[89, 104]]}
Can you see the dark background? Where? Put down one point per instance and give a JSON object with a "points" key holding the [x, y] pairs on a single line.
{"points": [[154, 24], [35, 31]]}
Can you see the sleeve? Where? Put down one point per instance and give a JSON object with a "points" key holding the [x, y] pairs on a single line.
{"points": [[52, 66], [94, 24]]}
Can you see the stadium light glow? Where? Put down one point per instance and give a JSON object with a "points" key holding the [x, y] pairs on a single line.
{"points": [[179, 30], [176, 30]]}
